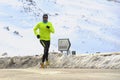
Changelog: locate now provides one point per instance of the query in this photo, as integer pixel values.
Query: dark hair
(45, 15)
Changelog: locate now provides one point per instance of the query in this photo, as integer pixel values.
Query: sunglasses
(45, 17)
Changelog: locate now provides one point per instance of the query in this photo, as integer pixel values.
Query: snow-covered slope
(18, 42)
(92, 26)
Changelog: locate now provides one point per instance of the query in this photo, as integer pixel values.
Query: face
(45, 18)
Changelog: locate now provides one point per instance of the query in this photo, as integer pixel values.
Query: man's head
(45, 18)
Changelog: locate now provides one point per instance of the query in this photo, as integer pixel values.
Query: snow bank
(111, 61)
(58, 60)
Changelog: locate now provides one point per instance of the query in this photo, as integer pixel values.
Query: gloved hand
(48, 27)
(38, 36)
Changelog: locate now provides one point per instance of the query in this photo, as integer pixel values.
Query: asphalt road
(59, 74)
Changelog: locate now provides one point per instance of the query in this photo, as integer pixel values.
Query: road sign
(64, 44)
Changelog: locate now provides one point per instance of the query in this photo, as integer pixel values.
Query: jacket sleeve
(35, 29)
(52, 29)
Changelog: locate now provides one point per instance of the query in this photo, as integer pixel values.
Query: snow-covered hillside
(92, 26)
(18, 42)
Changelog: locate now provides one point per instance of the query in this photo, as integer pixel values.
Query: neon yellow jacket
(40, 29)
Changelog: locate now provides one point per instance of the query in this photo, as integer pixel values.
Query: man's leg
(46, 52)
(47, 49)
(44, 45)
(43, 58)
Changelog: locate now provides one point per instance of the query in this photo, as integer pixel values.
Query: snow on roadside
(58, 60)
(105, 61)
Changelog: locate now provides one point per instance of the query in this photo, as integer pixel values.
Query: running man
(42, 31)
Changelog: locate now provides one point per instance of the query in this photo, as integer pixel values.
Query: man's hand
(48, 27)
(38, 36)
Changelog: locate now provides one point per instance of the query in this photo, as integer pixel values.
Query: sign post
(64, 45)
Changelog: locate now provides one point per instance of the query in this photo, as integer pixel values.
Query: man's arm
(52, 29)
(36, 32)
(36, 29)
